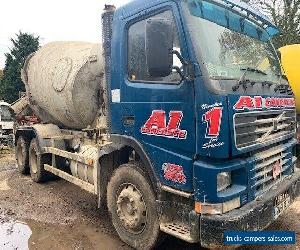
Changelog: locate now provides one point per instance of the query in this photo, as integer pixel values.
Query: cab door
(158, 112)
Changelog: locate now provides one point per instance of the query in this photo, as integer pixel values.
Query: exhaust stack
(107, 20)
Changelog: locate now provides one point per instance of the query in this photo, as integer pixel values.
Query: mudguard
(43, 133)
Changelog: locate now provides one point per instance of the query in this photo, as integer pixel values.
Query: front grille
(254, 128)
(281, 153)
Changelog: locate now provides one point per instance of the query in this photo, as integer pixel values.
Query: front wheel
(132, 204)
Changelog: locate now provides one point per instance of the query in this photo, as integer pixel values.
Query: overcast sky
(52, 20)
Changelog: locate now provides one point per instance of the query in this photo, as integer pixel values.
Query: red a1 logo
(157, 125)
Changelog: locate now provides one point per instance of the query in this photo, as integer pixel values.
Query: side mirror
(159, 46)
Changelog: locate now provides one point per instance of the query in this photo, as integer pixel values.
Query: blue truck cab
(198, 86)
(196, 131)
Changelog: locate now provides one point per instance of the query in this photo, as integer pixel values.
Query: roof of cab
(136, 6)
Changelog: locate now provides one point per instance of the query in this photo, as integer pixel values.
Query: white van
(6, 123)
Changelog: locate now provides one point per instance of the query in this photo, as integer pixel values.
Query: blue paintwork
(139, 99)
(206, 178)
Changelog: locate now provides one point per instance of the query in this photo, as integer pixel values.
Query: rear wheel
(22, 157)
(132, 204)
(36, 163)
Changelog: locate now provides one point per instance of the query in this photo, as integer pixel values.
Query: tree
(11, 84)
(286, 16)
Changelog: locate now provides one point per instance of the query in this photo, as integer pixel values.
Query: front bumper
(254, 216)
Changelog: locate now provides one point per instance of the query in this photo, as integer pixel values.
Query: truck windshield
(226, 52)
(5, 114)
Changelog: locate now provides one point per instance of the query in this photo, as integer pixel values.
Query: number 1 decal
(213, 120)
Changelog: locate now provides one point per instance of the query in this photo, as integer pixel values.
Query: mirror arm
(189, 73)
(178, 71)
(182, 60)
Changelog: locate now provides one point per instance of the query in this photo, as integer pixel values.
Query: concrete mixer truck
(169, 121)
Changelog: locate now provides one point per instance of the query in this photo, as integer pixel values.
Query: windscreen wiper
(283, 88)
(242, 81)
(249, 69)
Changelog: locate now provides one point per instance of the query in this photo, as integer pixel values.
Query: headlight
(223, 181)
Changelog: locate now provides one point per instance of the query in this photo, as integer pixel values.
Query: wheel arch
(118, 153)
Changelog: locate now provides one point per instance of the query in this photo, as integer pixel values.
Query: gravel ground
(59, 215)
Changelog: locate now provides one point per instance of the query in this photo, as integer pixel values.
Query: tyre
(36, 163)
(22, 157)
(132, 205)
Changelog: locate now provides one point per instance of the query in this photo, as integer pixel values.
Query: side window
(137, 70)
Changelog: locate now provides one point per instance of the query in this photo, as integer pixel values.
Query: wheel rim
(20, 155)
(33, 161)
(131, 208)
